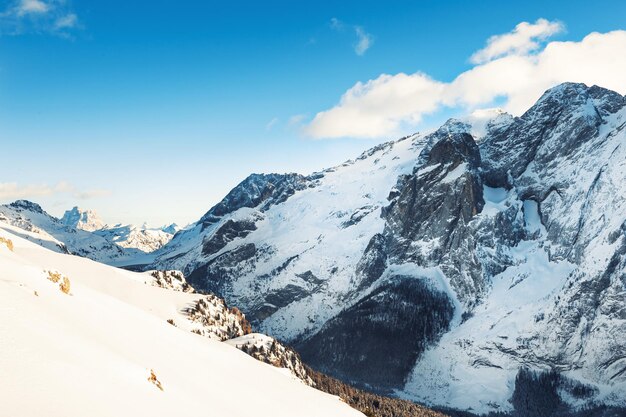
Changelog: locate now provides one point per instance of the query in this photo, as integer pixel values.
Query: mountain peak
(257, 190)
(27, 205)
(82, 219)
(171, 229)
(594, 101)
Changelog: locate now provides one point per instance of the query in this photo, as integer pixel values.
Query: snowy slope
(91, 351)
(441, 264)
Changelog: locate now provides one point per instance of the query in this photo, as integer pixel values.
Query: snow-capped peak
(171, 229)
(479, 122)
(82, 219)
(26, 205)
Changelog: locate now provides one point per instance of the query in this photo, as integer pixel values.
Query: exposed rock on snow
(172, 280)
(269, 350)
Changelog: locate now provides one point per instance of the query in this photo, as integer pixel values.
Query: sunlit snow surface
(90, 352)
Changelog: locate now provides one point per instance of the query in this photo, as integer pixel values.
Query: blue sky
(154, 110)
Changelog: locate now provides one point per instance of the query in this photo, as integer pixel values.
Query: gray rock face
(82, 219)
(230, 231)
(258, 190)
(440, 265)
(25, 205)
(437, 202)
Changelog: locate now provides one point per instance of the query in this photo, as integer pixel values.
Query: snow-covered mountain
(82, 219)
(142, 237)
(441, 264)
(139, 237)
(55, 234)
(82, 232)
(82, 338)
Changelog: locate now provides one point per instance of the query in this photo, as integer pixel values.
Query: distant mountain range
(82, 232)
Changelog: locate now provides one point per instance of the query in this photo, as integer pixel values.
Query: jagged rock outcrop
(437, 202)
(269, 350)
(172, 280)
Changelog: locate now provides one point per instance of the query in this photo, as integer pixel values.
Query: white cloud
(364, 41)
(522, 40)
(25, 7)
(38, 16)
(13, 191)
(392, 104)
(379, 106)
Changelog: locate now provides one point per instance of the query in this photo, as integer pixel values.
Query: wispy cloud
(68, 21)
(296, 120)
(25, 7)
(336, 24)
(364, 40)
(271, 123)
(15, 191)
(512, 67)
(39, 16)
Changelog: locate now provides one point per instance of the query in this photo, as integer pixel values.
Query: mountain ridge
(460, 214)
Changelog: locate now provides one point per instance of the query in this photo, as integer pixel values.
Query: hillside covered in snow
(84, 339)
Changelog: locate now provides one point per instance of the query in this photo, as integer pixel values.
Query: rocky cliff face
(440, 264)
